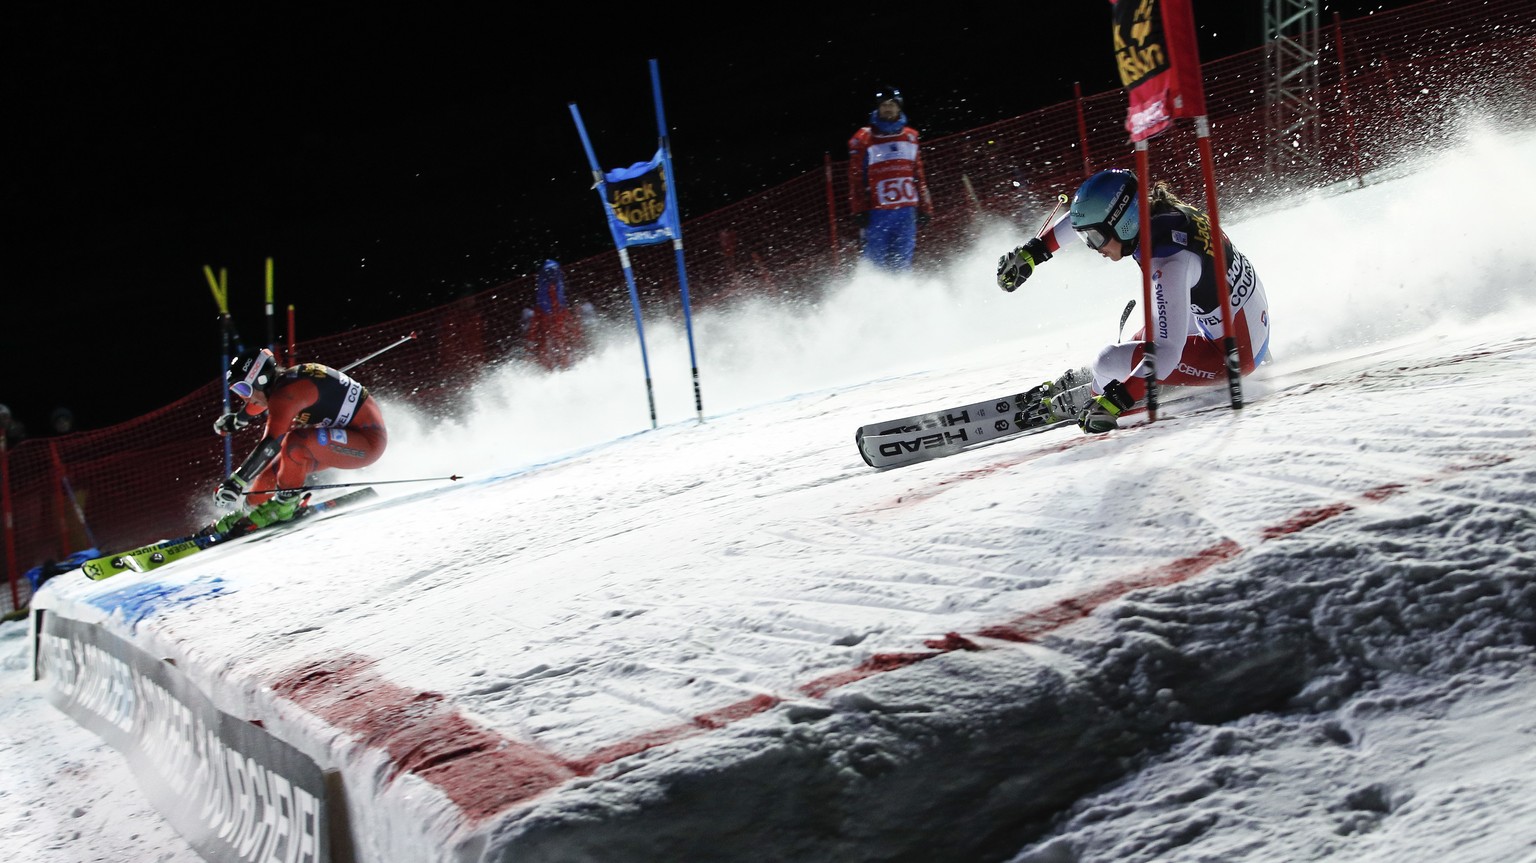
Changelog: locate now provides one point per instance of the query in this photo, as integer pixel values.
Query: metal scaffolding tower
(1291, 100)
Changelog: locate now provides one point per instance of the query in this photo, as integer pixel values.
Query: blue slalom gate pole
(619, 243)
(677, 238)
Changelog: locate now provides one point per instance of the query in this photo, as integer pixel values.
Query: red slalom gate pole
(1219, 254)
(1144, 212)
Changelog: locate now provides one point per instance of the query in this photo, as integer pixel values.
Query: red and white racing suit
(1186, 316)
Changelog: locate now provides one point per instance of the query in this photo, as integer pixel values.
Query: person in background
(61, 421)
(1187, 314)
(12, 431)
(887, 187)
(316, 417)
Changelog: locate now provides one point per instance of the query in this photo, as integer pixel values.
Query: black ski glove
(231, 422)
(1014, 268)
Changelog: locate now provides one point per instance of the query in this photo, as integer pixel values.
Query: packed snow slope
(1302, 630)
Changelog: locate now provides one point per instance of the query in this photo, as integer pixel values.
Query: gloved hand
(230, 492)
(861, 218)
(923, 219)
(231, 422)
(1014, 268)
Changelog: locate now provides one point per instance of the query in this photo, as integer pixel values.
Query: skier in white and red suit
(887, 189)
(1186, 317)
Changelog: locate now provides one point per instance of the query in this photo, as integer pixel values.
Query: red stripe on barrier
(880, 663)
(480, 770)
(1306, 519)
(1034, 625)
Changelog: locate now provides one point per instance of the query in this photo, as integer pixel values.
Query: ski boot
(282, 507)
(278, 509)
(1053, 401)
(225, 525)
(1101, 413)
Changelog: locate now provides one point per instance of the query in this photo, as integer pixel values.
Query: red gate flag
(1159, 64)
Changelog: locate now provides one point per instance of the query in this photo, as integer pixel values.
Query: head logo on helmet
(1104, 208)
(251, 372)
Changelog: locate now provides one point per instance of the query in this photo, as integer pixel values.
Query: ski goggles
(1096, 236)
(246, 387)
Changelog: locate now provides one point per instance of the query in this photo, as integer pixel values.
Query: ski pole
(1124, 316)
(351, 484)
(355, 363)
(1061, 198)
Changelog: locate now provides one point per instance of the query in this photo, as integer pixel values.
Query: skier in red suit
(887, 188)
(317, 418)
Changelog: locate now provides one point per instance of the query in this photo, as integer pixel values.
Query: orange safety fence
(1390, 85)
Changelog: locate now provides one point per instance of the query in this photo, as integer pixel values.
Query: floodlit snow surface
(1300, 631)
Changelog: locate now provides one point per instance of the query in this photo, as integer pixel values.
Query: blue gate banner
(637, 203)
